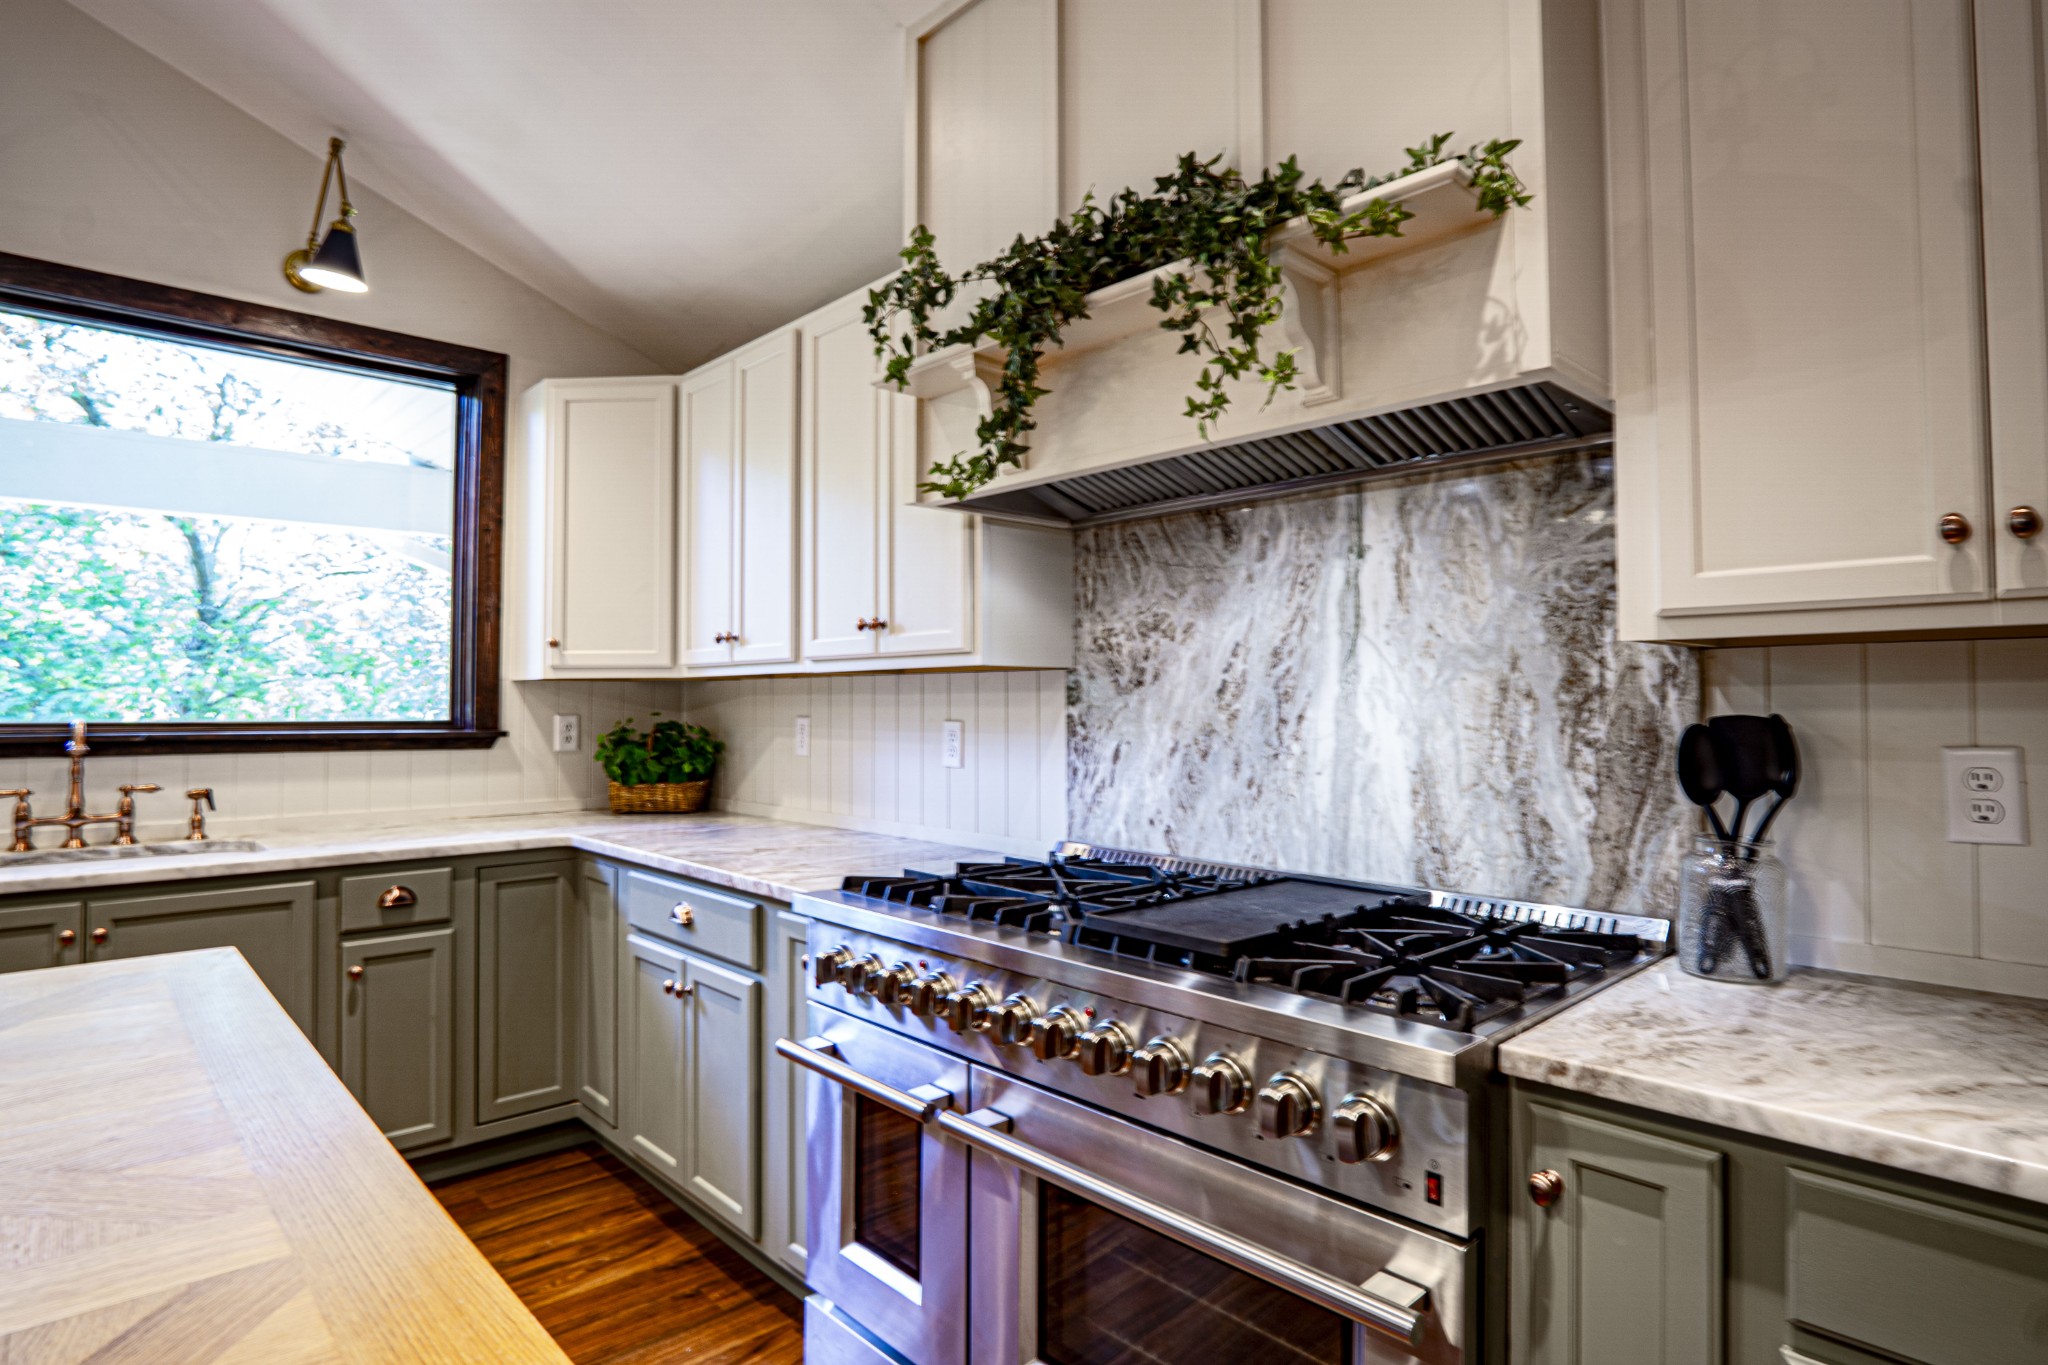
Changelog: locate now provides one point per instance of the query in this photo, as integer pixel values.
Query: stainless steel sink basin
(102, 852)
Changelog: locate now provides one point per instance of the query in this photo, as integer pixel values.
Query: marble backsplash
(1414, 680)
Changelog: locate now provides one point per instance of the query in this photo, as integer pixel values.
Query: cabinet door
(398, 1032)
(47, 935)
(596, 993)
(722, 1136)
(842, 440)
(1816, 296)
(612, 554)
(651, 1102)
(526, 924)
(711, 479)
(272, 926)
(928, 604)
(765, 402)
(783, 1141)
(1626, 1265)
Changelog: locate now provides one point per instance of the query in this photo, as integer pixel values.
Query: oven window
(1114, 1293)
(888, 1170)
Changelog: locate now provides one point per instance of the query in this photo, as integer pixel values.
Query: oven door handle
(821, 1054)
(1399, 1318)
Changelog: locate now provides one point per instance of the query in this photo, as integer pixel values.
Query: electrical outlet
(1986, 794)
(568, 734)
(953, 744)
(803, 736)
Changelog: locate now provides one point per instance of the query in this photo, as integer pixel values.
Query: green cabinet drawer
(716, 923)
(1912, 1278)
(397, 899)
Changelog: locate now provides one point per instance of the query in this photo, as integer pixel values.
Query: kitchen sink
(101, 852)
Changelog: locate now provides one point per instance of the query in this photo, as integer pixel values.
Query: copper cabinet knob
(668, 987)
(1955, 528)
(2024, 522)
(66, 937)
(99, 936)
(554, 643)
(1546, 1188)
(397, 898)
(685, 914)
(355, 971)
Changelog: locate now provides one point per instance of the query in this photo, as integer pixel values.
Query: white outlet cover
(803, 736)
(568, 734)
(1985, 792)
(953, 744)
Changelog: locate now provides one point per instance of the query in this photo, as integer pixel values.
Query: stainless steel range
(1116, 1108)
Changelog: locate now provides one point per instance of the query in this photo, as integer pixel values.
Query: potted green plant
(666, 768)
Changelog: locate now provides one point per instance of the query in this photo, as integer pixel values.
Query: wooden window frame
(67, 292)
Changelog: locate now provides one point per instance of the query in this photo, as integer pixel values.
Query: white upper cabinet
(599, 556)
(845, 420)
(1815, 406)
(710, 484)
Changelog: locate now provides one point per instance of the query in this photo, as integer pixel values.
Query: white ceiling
(684, 174)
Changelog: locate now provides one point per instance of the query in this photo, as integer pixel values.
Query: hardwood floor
(616, 1272)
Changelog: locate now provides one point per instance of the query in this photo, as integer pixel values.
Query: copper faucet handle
(18, 793)
(133, 787)
(198, 794)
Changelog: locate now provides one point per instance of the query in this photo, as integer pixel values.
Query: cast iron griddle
(1229, 924)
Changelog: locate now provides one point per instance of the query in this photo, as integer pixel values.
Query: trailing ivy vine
(1217, 219)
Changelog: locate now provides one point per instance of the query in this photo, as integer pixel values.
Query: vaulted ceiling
(684, 174)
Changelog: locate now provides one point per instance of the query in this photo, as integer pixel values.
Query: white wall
(113, 161)
(875, 751)
(1875, 886)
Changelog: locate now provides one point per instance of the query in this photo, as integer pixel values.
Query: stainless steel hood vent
(1482, 428)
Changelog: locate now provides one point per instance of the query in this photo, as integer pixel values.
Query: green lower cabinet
(397, 996)
(51, 934)
(782, 1134)
(526, 931)
(1625, 1267)
(651, 1055)
(596, 972)
(271, 925)
(722, 1137)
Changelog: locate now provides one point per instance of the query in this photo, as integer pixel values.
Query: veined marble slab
(1947, 1083)
(1413, 681)
(761, 857)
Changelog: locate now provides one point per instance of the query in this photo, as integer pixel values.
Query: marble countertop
(1946, 1083)
(760, 857)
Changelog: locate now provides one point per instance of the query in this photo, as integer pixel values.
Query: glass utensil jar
(1731, 912)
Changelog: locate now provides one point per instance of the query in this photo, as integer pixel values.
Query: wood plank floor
(616, 1272)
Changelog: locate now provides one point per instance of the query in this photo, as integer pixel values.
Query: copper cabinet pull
(1955, 528)
(684, 914)
(66, 937)
(1546, 1188)
(397, 898)
(2024, 522)
(99, 936)
(355, 971)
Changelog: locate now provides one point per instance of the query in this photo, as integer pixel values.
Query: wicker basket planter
(660, 798)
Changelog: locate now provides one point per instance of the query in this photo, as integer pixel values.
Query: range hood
(1468, 339)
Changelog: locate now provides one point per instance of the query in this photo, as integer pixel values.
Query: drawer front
(1915, 1279)
(716, 923)
(422, 895)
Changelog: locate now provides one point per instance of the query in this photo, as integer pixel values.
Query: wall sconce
(334, 263)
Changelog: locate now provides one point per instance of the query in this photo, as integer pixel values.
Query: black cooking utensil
(1785, 777)
(1699, 773)
(1746, 752)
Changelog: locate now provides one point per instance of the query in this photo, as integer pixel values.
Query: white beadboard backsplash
(875, 752)
(1875, 886)
(521, 774)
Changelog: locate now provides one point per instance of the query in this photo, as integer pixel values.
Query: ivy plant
(670, 751)
(1215, 218)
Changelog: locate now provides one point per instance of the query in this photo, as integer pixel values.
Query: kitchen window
(225, 526)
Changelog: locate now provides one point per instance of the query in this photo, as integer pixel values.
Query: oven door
(1099, 1242)
(888, 1193)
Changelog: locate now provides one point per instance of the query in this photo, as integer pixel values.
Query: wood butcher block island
(183, 1179)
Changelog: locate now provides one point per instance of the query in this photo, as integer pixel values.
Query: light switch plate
(953, 744)
(568, 734)
(1985, 791)
(803, 736)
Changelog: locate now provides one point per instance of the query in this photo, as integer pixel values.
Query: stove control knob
(891, 985)
(1011, 1020)
(1221, 1086)
(1104, 1050)
(826, 966)
(1053, 1035)
(928, 995)
(1159, 1068)
(967, 1008)
(1366, 1130)
(856, 974)
(1288, 1107)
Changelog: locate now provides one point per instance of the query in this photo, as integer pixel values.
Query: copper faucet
(74, 817)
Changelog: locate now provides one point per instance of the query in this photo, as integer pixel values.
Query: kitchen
(820, 818)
